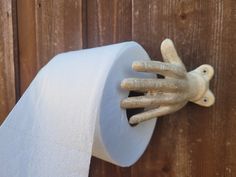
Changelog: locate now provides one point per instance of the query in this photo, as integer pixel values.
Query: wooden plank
(7, 74)
(108, 22)
(195, 141)
(46, 28)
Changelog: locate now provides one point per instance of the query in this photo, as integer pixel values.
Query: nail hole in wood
(39, 5)
(166, 169)
(183, 16)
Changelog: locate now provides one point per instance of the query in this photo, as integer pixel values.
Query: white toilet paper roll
(72, 110)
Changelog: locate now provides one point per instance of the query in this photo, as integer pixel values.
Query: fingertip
(169, 53)
(133, 120)
(123, 104)
(126, 103)
(137, 65)
(128, 84)
(124, 83)
(166, 44)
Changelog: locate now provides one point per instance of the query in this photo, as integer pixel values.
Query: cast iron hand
(167, 95)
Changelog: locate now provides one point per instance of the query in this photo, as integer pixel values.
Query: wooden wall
(194, 142)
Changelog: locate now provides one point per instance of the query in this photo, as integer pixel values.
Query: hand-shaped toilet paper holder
(166, 95)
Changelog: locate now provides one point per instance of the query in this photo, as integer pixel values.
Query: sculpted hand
(169, 94)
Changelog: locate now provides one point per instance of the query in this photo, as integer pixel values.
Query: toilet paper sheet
(71, 111)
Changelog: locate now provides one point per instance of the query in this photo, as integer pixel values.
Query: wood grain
(7, 69)
(195, 141)
(108, 22)
(46, 28)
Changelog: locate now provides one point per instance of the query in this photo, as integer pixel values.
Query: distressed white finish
(167, 95)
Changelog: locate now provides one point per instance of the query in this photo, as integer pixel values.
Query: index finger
(165, 69)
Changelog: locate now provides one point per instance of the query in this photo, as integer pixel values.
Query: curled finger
(160, 85)
(154, 113)
(153, 101)
(165, 69)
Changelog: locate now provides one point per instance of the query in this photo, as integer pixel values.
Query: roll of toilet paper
(71, 111)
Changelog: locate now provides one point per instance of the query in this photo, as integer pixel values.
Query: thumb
(169, 53)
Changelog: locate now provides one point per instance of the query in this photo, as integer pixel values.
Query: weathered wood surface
(46, 28)
(7, 69)
(108, 22)
(193, 142)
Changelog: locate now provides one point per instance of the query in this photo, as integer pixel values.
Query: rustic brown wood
(7, 74)
(46, 28)
(195, 141)
(108, 22)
